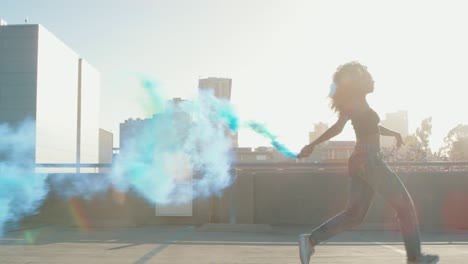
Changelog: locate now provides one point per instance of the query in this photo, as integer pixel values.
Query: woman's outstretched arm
(334, 130)
(387, 132)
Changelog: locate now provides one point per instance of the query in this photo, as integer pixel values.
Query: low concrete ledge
(376, 227)
(113, 223)
(251, 228)
(10, 228)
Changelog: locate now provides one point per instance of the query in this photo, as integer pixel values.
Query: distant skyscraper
(131, 128)
(319, 129)
(43, 79)
(222, 89)
(106, 143)
(329, 151)
(220, 86)
(397, 121)
(170, 130)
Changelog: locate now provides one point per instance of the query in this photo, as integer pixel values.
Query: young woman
(369, 173)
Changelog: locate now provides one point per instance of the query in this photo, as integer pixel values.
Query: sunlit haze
(280, 55)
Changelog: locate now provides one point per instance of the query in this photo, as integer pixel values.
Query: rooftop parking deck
(194, 244)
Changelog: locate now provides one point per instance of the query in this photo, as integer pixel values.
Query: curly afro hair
(351, 79)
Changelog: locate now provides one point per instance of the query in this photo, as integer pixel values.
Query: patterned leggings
(369, 175)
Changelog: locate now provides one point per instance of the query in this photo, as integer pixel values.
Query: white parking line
(395, 249)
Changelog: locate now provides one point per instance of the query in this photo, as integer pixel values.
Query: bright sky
(280, 54)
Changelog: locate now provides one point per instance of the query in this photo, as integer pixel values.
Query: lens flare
(78, 214)
(30, 236)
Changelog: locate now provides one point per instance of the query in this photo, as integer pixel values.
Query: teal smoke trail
(227, 112)
(156, 100)
(262, 130)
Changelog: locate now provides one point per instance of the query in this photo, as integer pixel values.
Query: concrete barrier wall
(273, 197)
(289, 197)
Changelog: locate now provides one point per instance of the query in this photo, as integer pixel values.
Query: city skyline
(213, 131)
(280, 56)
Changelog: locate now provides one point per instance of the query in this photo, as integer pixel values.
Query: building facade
(397, 121)
(131, 128)
(44, 80)
(336, 151)
(258, 155)
(319, 129)
(106, 140)
(221, 88)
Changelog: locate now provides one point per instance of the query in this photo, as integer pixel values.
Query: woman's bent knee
(355, 217)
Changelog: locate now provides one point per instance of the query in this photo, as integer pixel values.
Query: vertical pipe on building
(232, 199)
(78, 120)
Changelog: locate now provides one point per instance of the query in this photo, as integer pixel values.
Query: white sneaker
(425, 259)
(305, 248)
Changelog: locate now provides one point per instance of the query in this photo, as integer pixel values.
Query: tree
(456, 144)
(416, 146)
(422, 134)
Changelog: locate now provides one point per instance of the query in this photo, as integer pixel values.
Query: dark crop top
(365, 123)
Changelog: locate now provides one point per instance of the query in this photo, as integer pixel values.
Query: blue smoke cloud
(21, 189)
(187, 138)
(182, 153)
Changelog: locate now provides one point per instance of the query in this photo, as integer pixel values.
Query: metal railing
(398, 166)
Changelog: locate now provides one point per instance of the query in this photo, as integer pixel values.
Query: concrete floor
(188, 244)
